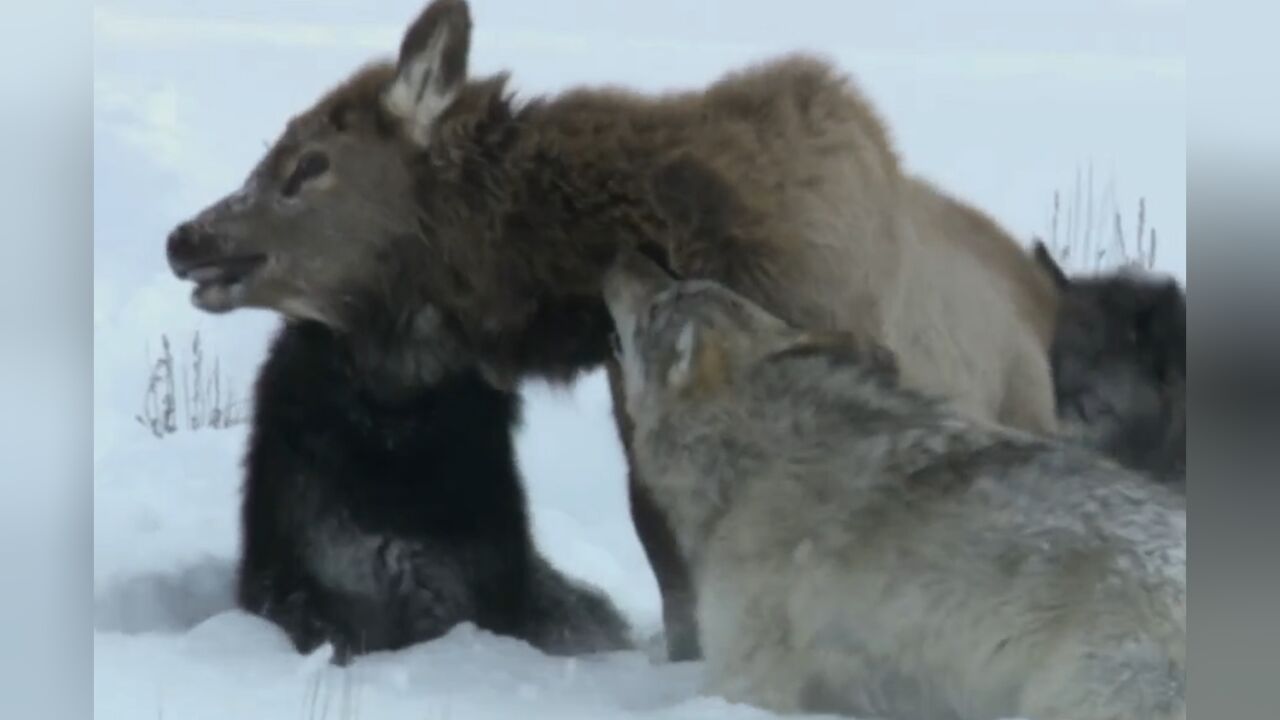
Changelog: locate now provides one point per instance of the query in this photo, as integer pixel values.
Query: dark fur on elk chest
(375, 517)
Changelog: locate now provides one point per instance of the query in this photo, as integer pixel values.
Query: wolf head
(1119, 359)
(684, 341)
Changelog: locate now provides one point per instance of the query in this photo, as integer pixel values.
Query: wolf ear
(680, 370)
(432, 67)
(699, 364)
(1045, 259)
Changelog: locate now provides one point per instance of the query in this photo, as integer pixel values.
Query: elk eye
(311, 165)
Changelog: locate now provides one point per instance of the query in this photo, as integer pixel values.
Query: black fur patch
(1119, 368)
(418, 491)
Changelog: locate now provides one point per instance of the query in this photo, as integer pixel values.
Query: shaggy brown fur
(411, 185)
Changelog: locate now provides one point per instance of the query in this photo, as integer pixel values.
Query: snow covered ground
(168, 641)
(1000, 105)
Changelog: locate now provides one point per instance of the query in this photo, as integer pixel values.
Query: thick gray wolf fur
(859, 548)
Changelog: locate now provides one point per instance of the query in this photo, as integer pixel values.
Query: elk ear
(432, 67)
(1045, 259)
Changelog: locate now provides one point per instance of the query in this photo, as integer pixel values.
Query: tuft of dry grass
(207, 398)
(1087, 234)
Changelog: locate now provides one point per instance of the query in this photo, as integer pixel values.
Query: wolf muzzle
(630, 285)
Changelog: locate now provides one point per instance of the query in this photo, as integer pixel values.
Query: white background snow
(999, 101)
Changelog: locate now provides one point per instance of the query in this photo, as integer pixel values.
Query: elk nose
(187, 243)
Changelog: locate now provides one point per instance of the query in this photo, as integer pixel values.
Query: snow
(169, 641)
(184, 99)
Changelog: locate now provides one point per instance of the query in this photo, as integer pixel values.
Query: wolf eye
(615, 344)
(311, 165)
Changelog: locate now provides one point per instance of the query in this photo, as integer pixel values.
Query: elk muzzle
(201, 255)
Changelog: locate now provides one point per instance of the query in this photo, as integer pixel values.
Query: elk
(413, 187)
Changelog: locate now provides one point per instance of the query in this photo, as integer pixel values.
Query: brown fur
(1035, 296)
(779, 180)
(1001, 359)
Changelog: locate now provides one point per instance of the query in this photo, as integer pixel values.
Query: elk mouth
(220, 283)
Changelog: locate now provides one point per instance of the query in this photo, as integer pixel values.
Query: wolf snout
(618, 293)
(632, 281)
